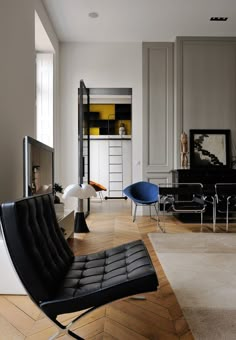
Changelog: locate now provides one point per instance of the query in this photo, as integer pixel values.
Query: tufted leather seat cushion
(95, 279)
(60, 282)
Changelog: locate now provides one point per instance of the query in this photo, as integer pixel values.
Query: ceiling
(139, 20)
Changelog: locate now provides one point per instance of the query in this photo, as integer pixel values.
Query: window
(44, 98)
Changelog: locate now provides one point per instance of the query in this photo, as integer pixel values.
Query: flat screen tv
(38, 167)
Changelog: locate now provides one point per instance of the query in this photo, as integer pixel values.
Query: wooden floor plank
(40, 326)
(152, 307)
(26, 305)
(112, 327)
(21, 321)
(8, 331)
(137, 319)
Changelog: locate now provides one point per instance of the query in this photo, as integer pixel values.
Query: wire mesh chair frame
(144, 194)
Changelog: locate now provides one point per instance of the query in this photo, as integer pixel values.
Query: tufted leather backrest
(37, 247)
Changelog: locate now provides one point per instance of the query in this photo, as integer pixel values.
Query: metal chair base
(156, 207)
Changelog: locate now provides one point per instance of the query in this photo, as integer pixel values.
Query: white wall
(17, 91)
(99, 65)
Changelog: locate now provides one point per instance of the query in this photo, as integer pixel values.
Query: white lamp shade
(80, 191)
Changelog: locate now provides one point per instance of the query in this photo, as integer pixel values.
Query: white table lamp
(80, 191)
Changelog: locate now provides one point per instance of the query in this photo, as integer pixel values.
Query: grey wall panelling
(205, 85)
(158, 117)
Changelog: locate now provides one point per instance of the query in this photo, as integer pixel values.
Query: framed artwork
(209, 148)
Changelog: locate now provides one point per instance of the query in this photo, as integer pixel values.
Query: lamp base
(80, 223)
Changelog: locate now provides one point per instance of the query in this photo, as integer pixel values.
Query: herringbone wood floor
(157, 317)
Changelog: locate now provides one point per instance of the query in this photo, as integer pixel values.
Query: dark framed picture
(209, 148)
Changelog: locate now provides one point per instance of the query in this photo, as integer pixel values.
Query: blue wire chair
(144, 194)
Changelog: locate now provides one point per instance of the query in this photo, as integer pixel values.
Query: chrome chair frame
(155, 205)
(225, 194)
(168, 191)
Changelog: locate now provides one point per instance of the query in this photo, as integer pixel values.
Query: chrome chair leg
(157, 211)
(157, 214)
(135, 210)
(164, 215)
(201, 221)
(227, 218)
(158, 219)
(65, 329)
(214, 221)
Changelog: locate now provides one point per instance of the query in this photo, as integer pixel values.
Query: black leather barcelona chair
(59, 282)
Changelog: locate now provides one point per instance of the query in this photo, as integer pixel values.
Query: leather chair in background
(187, 198)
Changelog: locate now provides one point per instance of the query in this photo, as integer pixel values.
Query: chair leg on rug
(214, 217)
(201, 221)
(227, 218)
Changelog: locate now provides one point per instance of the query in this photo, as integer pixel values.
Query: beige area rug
(201, 268)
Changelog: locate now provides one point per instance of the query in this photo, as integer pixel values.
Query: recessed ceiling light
(93, 15)
(218, 18)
